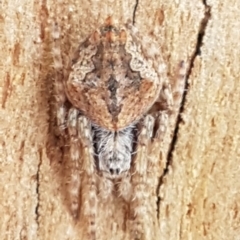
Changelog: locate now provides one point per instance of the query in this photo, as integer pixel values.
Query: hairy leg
(167, 113)
(74, 164)
(67, 119)
(61, 110)
(148, 164)
(139, 206)
(89, 178)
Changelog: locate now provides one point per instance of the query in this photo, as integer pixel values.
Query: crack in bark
(37, 188)
(197, 52)
(134, 11)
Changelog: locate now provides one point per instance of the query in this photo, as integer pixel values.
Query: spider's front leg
(88, 188)
(60, 75)
(139, 204)
(66, 120)
(81, 148)
(147, 163)
(170, 100)
(74, 155)
(79, 136)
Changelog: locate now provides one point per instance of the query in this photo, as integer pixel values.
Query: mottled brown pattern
(112, 126)
(103, 74)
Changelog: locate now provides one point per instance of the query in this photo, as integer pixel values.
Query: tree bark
(198, 187)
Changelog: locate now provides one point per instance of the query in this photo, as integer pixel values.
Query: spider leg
(80, 141)
(59, 81)
(89, 178)
(74, 154)
(67, 119)
(166, 111)
(178, 88)
(139, 226)
(147, 163)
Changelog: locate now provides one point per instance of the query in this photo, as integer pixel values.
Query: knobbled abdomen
(111, 82)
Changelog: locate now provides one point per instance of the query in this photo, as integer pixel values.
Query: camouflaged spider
(118, 92)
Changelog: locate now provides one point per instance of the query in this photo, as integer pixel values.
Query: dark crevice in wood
(37, 188)
(134, 11)
(197, 52)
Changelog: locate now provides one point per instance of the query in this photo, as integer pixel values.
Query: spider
(114, 104)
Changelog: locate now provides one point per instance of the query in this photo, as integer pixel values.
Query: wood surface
(199, 187)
